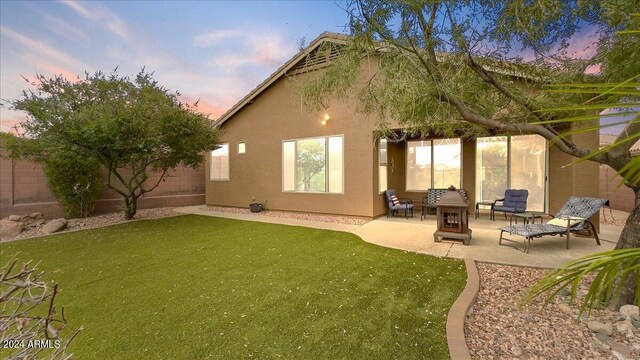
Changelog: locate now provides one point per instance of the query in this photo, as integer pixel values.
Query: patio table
(482, 203)
(528, 217)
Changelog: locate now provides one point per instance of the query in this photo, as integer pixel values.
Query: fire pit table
(452, 212)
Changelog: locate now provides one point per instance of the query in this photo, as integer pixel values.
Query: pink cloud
(205, 107)
(593, 69)
(54, 70)
(583, 44)
(12, 125)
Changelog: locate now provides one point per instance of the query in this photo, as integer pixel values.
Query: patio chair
(394, 204)
(514, 201)
(573, 216)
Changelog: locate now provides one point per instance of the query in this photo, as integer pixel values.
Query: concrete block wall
(24, 189)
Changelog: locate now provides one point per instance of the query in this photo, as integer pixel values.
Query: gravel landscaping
(98, 221)
(336, 219)
(501, 327)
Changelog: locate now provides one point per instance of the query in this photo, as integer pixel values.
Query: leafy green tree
(129, 126)
(454, 65)
(310, 161)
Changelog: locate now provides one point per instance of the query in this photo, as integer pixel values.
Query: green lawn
(193, 287)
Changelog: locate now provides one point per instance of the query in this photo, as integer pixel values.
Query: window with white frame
(220, 163)
(242, 148)
(382, 165)
(313, 165)
(433, 164)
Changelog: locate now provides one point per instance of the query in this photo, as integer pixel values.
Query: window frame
(326, 165)
(432, 158)
(244, 144)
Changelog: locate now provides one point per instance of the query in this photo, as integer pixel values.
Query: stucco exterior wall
(275, 115)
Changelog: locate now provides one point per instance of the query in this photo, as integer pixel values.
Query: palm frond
(611, 267)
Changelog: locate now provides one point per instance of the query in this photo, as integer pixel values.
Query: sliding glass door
(433, 164)
(515, 162)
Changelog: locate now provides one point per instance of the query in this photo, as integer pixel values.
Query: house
(276, 151)
(620, 196)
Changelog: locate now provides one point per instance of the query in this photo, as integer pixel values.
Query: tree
(129, 126)
(28, 315)
(446, 66)
(310, 161)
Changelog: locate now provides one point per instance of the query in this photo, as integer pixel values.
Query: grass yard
(192, 287)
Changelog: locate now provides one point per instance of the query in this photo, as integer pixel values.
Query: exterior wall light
(325, 120)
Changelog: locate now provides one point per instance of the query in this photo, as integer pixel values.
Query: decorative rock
(618, 356)
(15, 217)
(601, 345)
(54, 225)
(620, 348)
(32, 220)
(624, 326)
(630, 311)
(604, 338)
(564, 308)
(598, 327)
(9, 229)
(636, 323)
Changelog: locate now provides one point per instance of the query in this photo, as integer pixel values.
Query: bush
(74, 179)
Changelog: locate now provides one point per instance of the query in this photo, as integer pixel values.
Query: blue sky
(215, 51)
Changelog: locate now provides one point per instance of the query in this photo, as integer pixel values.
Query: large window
(313, 165)
(382, 165)
(433, 164)
(515, 162)
(220, 163)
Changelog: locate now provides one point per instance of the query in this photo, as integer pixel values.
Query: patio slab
(417, 236)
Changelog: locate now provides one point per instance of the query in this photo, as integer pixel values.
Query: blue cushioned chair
(405, 205)
(514, 201)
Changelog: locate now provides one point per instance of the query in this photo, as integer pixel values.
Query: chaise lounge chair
(394, 204)
(573, 216)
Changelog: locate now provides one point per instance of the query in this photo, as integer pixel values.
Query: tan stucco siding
(276, 115)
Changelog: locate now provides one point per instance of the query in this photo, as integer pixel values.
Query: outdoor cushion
(394, 200)
(573, 220)
(515, 199)
(504, 208)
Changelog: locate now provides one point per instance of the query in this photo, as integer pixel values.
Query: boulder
(32, 220)
(54, 225)
(9, 229)
(15, 217)
(631, 312)
(598, 327)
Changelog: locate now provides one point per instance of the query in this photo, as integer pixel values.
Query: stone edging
(455, 319)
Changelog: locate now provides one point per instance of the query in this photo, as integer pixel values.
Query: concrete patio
(417, 236)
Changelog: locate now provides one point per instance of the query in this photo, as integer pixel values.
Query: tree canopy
(131, 126)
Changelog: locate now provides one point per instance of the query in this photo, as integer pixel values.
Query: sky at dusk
(214, 51)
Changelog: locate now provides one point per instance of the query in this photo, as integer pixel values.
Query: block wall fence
(24, 189)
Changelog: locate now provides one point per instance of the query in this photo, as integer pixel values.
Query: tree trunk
(130, 207)
(630, 238)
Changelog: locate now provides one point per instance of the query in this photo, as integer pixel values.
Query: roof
(606, 139)
(294, 64)
(324, 37)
